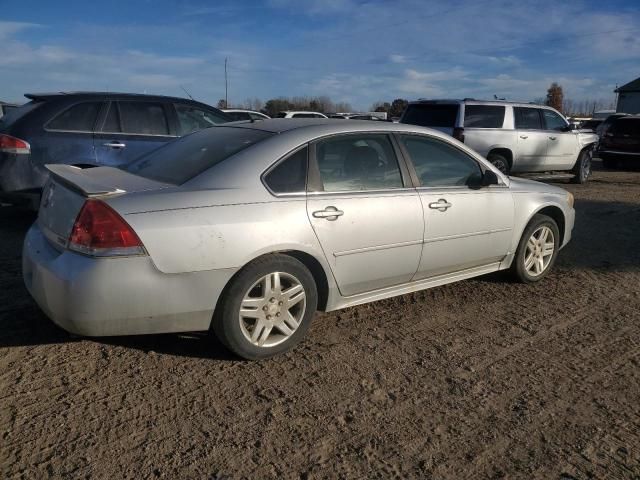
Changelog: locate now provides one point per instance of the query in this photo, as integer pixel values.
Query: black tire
(518, 269)
(582, 169)
(226, 323)
(500, 162)
(609, 163)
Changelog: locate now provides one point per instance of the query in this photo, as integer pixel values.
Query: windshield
(189, 156)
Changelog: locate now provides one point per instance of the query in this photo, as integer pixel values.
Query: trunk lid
(68, 187)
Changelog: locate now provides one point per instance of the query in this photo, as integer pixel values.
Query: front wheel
(267, 308)
(537, 250)
(582, 168)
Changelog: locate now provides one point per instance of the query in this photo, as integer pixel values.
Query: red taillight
(458, 134)
(9, 144)
(100, 231)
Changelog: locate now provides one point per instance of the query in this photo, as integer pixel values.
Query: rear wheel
(500, 162)
(537, 250)
(267, 308)
(582, 168)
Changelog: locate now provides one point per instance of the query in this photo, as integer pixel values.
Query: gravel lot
(483, 378)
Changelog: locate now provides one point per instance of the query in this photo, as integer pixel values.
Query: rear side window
(187, 157)
(438, 164)
(626, 126)
(290, 175)
(358, 162)
(192, 119)
(78, 118)
(305, 115)
(112, 122)
(281, 115)
(483, 116)
(527, 118)
(237, 116)
(143, 118)
(432, 114)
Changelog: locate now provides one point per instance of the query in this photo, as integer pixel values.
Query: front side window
(358, 162)
(553, 121)
(192, 119)
(527, 118)
(187, 157)
(290, 175)
(483, 116)
(439, 164)
(78, 118)
(143, 118)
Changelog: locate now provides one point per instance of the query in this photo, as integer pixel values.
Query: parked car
(356, 116)
(237, 114)
(590, 125)
(604, 126)
(515, 137)
(621, 142)
(299, 114)
(248, 229)
(89, 129)
(6, 107)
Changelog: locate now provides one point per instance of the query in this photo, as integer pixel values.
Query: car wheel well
(317, 271)
(505, 152)
(556, 214)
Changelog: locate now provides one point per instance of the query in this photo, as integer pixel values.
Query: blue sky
(358, 51)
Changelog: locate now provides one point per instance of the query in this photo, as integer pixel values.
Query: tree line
(572, 108)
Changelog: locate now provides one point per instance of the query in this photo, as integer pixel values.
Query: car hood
(518, 184)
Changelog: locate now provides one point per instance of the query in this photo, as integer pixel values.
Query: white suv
(515, 137)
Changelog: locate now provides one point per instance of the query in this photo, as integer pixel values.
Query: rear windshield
(432, 114)
(189, 156)
(626, 126)
(16, 113)
(483, 116)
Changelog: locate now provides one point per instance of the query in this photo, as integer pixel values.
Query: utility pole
(226, 85)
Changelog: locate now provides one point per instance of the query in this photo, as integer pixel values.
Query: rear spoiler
(77, 179)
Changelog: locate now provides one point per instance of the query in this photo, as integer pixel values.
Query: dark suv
(88, 129)
(621, 141)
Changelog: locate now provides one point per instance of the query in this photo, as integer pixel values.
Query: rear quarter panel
(483, 140)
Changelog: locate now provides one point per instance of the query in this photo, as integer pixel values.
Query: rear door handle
(330, 213)
(524, 137)
(115, 144)
(441, 205)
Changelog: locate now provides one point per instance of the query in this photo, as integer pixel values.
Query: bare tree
(555, 96)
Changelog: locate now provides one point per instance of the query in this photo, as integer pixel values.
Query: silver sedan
(247, 229)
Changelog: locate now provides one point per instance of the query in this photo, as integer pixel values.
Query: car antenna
(185, 91)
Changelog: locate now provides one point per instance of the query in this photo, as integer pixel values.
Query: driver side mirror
(489, 178)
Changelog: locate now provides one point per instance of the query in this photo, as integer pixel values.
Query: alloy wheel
(539, 252)
(272, 309)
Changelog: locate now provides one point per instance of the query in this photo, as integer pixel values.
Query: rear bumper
(569, 222)
(116, 296)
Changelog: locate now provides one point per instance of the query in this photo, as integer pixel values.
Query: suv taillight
(99, 231)
(9, 144)
(458, 134)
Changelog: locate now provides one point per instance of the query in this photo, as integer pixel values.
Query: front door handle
(552, 138)
(524, 137)
(115, 144)
(440, 205)
(330, 213)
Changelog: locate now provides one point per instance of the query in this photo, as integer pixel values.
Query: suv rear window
(78, 118)
(626, 126)
(483, 116)
(13, 115)
(432, 114)
(189, 156)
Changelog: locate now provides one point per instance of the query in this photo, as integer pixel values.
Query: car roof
(473, 101)
(329, 126)
(240, 110)
(52, 95)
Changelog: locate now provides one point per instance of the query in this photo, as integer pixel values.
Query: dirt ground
(480, 379)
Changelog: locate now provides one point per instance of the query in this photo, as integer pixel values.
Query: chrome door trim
(377, 247)
(464, 235)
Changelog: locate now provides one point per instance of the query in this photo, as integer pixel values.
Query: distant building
(629, 97)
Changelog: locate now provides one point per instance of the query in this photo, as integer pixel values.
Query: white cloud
(395, 58)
